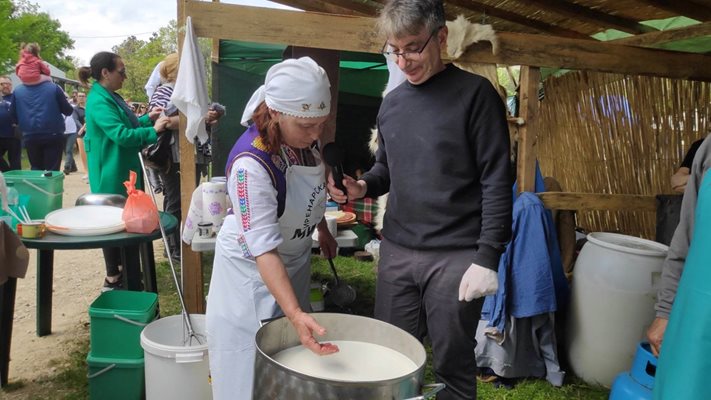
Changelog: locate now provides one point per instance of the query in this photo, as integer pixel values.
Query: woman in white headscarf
(276, 181)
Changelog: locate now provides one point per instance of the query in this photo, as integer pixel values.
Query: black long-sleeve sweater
(444, 159)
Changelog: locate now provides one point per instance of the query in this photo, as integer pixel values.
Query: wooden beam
(229, 21)
(547, 51)
(592, 16)
(360, 7)
(686, 8)
(671, 35)
(527, 134)
(518, 19)
(192, 284)
(597, 201)
(316, 6)
(305, 29)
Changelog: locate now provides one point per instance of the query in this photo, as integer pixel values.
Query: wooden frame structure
(355, 32)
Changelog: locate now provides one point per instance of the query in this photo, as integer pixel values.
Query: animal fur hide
(462, 34)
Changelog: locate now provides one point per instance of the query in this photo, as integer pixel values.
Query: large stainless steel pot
(275, 381)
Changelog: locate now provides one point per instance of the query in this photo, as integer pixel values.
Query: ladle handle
(333, 268)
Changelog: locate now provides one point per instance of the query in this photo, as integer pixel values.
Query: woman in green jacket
(114, 136)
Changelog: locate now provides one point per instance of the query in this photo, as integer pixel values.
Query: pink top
(30, 68)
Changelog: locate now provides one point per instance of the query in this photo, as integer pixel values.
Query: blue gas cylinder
(638, 382)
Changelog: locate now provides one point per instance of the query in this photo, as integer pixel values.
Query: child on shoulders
(30, 68)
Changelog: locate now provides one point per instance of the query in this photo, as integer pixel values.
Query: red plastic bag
(140, 213)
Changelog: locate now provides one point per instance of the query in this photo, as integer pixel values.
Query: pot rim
(419, 371)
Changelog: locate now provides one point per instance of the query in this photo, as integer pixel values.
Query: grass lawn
(70, 382)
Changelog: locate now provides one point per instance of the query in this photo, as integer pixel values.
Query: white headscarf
(296, 87)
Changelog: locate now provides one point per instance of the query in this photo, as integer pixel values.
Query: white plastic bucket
(176, 368)
(614, 289)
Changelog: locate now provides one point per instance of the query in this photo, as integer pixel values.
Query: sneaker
(85, 178)
(118, 285)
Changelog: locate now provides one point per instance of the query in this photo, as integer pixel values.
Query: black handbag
(159, 154)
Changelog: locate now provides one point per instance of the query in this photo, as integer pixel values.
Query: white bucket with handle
(177, 367)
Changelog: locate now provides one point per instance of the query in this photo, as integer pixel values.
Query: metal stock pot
(275, 381)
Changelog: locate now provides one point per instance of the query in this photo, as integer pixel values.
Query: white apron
(238, 299)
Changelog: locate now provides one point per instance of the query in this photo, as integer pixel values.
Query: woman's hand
(305, 326)
(328, 244)
(273, 272)
(155, 113)
(356, 189)
(161, 124)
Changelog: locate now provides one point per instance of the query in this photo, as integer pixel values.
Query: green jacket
(112, 144)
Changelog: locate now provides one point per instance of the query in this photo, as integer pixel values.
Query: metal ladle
(342, 294)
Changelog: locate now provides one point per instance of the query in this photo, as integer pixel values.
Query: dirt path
(78, 277)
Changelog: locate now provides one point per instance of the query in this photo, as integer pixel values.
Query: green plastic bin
(115, 379)
(117, 318)
(44, 188)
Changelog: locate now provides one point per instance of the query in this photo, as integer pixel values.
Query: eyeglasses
(122, 72)
(408, 54)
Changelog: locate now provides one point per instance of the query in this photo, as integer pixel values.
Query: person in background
(673, 266)
(680, 333)
(153, 81)
(71, 128)
(167, 179)
(113, 139)
(80, 109)
(445, 165)
(39, 111)
(681, 176)
(30, 68)
(10, 144)
(262, 267)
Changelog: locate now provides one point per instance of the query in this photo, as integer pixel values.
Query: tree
(141, 57)
(22, 22)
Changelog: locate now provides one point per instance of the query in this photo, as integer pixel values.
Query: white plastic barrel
(176, 367)
(614, 289)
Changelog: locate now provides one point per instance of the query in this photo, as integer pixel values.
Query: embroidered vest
(251, 145)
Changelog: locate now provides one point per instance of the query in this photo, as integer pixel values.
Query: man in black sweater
(443, 159)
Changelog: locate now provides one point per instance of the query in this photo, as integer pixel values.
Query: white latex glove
(477, 282)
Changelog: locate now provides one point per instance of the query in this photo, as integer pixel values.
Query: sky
(98, 25)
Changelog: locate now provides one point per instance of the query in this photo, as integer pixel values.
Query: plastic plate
(85, 220)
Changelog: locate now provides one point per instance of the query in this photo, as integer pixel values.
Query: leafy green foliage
(141, 56)
(23, 22)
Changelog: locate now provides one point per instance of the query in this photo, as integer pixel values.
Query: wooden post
(215, 54)
(528, 110)
(192, 263)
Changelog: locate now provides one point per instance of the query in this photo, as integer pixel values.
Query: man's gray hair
(407, 17)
